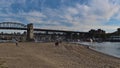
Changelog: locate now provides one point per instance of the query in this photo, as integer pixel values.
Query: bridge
(36, 32)
(13, 25)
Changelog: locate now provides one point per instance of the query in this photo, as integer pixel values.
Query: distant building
(97, 35)
(99, 31)
(115, 36)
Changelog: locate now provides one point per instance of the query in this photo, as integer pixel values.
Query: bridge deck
(36, 29)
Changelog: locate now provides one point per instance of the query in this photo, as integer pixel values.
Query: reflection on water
(110, 48)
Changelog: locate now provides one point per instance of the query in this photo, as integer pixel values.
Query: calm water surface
(110, 48)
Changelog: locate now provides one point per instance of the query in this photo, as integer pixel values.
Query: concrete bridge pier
(30, 32)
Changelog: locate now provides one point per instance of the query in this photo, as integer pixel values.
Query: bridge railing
(12, 25)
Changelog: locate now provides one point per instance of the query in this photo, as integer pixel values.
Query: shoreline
(104, 53)
(88, 47)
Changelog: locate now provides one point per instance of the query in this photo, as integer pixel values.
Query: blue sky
(77, 15)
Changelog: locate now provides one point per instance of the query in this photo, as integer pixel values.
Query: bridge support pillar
(30, 34)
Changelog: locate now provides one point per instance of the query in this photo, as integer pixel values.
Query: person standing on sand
(15, 41)
(56, 43)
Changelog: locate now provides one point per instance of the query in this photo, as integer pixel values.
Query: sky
(73, 15)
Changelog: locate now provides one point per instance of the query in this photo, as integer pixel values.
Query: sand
(46, 55)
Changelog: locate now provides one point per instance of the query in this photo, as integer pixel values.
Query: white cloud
(35, 14)
(81, 17)
(96, 14)
(9, 20)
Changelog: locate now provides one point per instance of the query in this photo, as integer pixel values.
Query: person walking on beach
(15, 41)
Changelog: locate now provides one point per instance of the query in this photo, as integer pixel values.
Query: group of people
(56, 43)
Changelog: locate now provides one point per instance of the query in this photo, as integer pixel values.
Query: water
(5, 41)
(110, 48)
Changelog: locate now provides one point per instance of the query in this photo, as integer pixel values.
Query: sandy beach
(46, 55)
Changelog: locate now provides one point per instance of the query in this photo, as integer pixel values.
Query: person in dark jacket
(56, 43)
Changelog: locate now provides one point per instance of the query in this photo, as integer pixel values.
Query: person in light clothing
(15, 41)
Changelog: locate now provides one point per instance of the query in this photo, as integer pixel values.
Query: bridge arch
(12, 25)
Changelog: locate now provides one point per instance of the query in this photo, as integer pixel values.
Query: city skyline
(73, 15)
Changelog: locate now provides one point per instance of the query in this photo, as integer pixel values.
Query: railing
(12, 25)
